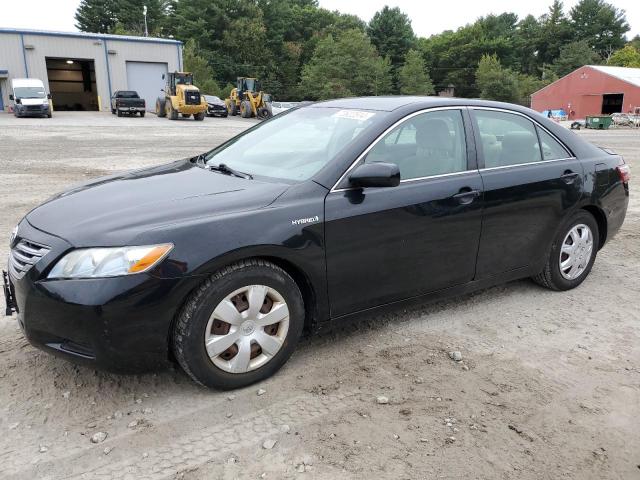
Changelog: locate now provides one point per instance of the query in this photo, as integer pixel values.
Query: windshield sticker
(359, 115)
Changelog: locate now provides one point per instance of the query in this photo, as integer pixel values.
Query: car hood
(34, 101)
(114, 210)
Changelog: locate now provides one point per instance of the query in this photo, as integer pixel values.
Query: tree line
(302, 51)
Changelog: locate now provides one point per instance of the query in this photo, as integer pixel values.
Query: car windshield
(127, 95)
(293, 146)
(29, 92)
(212, 98)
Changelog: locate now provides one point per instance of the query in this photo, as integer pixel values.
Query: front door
(389, 244)
(530, 183)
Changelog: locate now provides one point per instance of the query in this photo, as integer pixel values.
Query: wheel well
(301, 279)
(601, 219)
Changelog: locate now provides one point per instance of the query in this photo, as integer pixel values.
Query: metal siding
(583, 90)
(10, 60)
(146, 79)
(81, 47)
(137, 52)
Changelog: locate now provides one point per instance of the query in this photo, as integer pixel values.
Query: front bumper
(30, 110)
(217, 111)
(131, 109)
(120, 324)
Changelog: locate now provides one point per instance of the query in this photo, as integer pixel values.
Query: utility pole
(144, 12)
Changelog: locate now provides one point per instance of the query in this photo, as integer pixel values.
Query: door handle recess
(569, 176)
(466, 197)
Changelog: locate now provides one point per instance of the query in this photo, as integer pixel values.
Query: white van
(29, 98)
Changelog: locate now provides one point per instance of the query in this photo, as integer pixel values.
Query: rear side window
(507, 139)
(425, 145)
(551, 148)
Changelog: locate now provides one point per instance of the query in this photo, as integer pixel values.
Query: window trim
(380, 137)
(536, 125)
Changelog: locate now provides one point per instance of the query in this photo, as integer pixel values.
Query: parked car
(127, 102)
(215, 106)
(29, 97)
(321, 214)
(279, 107)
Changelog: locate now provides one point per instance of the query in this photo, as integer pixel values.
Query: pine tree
(413, 78)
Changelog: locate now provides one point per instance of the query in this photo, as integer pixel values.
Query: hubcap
(247, 329)
(576, 251)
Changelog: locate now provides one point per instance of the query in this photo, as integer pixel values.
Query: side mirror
(375, 175)
(163, 76)
(162, 89)
(10, 97)
(49, 96)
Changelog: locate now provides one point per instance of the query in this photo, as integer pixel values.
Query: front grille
(24, 256)
(192, 98)
(34, 108)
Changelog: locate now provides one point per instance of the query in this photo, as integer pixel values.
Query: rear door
(531, 182)
(389, 244)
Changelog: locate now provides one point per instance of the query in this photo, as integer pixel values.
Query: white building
(82, 70)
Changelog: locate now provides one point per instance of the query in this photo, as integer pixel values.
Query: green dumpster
(602, 122)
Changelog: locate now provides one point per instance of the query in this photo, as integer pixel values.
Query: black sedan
(215, 106)
(220, 261)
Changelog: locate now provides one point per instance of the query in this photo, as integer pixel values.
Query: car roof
(391, 103)
(27, 82)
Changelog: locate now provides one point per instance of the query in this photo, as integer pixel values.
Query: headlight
(109, 262)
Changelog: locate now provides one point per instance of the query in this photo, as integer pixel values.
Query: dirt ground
(548, 386)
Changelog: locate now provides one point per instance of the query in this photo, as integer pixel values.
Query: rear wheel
(572, 254)
(240, 326)
(199, 116)
(233, 109)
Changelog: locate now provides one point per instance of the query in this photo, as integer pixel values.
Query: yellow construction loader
(181, 98)
(248, 100)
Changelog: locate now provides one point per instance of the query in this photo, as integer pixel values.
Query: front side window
(294, 145)
(507, 139)
(425, 145)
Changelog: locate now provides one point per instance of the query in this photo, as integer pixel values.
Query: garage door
(146, 79)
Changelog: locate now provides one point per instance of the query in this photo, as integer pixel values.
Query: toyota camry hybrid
(220, 261)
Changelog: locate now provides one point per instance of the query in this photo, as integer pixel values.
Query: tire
(233, 111)
(113, 111)
(49, 115)
(142, 114)
(245, 109)
(263, 113)
(171, 113)
(160, 107)
(199, 116)
(553, 276)
(119, 113)
(195, 321)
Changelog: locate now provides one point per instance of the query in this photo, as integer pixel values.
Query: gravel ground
(548, 385)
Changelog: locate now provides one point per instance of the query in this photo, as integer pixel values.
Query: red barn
(591, 90)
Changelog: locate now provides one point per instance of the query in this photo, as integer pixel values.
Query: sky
(427, 17)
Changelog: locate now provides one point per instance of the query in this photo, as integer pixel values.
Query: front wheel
(198, 116)
(240, 326)
(572, 253)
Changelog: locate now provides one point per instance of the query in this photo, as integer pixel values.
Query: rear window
(127, 95)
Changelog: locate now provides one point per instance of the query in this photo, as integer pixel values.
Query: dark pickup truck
(129, 102)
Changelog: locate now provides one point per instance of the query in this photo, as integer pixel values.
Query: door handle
(568, 176)
(466, 196)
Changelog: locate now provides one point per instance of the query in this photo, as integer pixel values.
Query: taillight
(624, 172)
